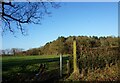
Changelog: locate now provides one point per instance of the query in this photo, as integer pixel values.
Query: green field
(16, 58)
(8, 61)
(27, 66)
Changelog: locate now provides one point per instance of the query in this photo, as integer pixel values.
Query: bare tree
(16, 51)
(3, 52)
(15, 14)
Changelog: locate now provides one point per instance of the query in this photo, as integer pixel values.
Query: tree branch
(16, 19)
(19, 13)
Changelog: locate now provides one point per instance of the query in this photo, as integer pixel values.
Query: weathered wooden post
(68, 67)
(60, 65)
(75, 75)
(76, 69)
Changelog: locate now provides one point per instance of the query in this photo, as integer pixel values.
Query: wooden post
(68, 67)
(74, 57)
(60, 65)
(75, 75)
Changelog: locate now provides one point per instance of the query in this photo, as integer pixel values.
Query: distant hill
(63, 45)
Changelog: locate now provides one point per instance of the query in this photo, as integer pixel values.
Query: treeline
(12, 51)
(64, 45)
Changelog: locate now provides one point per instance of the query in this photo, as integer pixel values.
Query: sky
(71, 19)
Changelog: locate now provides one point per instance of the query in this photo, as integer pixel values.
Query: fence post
(68, 67)
(75, 67)
(60, 65)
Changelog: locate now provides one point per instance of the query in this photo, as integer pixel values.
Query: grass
(107, 74)
(16, 58)
(25, 67)
(9, 61)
